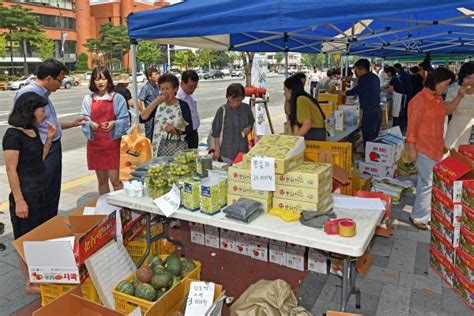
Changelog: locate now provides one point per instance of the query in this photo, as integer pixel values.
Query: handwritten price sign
(263, 173)
(169, 203)
(200, 298)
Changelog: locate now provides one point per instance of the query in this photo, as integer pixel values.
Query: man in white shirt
(314, 79)
(189, 82)
(383, 77)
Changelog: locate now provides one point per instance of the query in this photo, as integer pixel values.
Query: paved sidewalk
(399, 282)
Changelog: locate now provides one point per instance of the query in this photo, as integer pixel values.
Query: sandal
(418, 224)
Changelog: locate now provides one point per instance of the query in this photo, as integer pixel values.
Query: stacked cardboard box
(306, 187)
(452, 230)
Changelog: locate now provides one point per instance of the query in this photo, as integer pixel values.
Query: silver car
(20, 83)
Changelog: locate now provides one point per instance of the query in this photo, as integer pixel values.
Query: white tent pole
(169, 57)
(347, 64)
(342, 65)
(133, 56)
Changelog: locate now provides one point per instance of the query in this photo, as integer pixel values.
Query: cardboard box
(72, 303)
(443, 245)
(464, 289)
(339, 121)
(385, 150)
(468, 193)
(296, 206)
(259, 250)
(237, 173)
(56, 260)
(452, 212)
(448, 175)
(227, 240)
(287, 151)
(303, 194)
(439, 223)
(468, 218)
(376, 170)
(266, 203)
(277, 254)
(466, 241)
(245, 189)
(441, 266)
(464, 263)
(197, 233)
(242, 244)
(277, 242)
(191, 194)
(295, 257)
(211, 236)
(317, 262)
(307, 175)
(467, 151)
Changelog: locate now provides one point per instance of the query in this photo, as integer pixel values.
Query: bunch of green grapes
(179, 169)
(157, 170)
(186, 157)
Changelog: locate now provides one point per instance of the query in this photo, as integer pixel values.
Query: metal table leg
(349, 276)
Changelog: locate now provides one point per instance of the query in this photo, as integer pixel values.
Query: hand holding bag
(169, 146)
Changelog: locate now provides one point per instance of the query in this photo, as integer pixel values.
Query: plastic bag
(135, 149)
(244, 209)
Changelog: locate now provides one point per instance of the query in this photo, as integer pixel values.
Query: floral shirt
(167, 114)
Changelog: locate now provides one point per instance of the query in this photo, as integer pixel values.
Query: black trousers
(53, 165)
(312, 88)
(192, 139)
(370, 125)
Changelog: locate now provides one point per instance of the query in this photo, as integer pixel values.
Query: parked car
(201, 73)
(176, 73)
(213, 74)
(68, 82)
(236, 73)
(88, 75)
(20, 83)
(77, 80)
(140, 77)
(225, 71)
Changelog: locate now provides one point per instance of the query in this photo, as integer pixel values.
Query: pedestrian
(232, 124)
(407, 90)
(314, 80)
(394, 85)
(172, 116)
(416, 80)
(368, 90)
(149, 92)
(305, 112)
(122, 88)
(383, 77)
(49, 79)
(24, 151)
(462, 121)
(189, 83)
(107, 121)
(424, 138)
(324, 83)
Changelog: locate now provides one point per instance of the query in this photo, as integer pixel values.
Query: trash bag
(405, 166)
(268, 298)
(135, 149)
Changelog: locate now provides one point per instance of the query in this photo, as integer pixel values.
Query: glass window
(57, 22)
(63, 4)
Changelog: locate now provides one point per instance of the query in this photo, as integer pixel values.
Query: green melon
(176, 279)
(136, 282)
(154, 260)
(159, 294)
(145, 291)
(187, 265)
(162, 280)
(157, 269)
(126, 287)
(173, 264)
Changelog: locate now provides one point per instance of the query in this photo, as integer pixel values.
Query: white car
(18, 84)
(140, 77)
(88, 75)
(225, 71)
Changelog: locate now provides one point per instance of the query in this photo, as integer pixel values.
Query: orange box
(443, 245)
(464, 289)
(465, 264)
(441, 224)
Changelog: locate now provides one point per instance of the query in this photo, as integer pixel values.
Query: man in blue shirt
(49, 79)
(149, 92)
(368, 90)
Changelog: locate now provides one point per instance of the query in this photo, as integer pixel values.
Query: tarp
(365, 27)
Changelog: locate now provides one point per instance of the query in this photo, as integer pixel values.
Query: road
(209, 95)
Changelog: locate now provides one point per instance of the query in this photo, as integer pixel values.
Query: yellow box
(267, 203)
(245, 189)
(223, 192)
(298, 206)
(210, 198)
(304, 194)
(238, 174)
(191, 194)
(287, 151)
(50, 292)
(307, 175)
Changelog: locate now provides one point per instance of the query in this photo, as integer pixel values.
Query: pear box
(236, 173)
(191, 194)
(296, 206)
(288, 152)
(452, 212)
(303, 194)
(448, 176)
(306, 175)
(245, 189)
(266, 202)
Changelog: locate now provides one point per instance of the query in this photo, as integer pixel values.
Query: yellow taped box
(304, 194)
(298, 206)
(267, 203)
(245, 189)
(307, 175)
(288, 152)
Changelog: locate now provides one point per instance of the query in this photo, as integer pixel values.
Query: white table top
(338, 136)
(275, 228)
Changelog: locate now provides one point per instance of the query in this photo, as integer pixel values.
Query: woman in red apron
(107, 121)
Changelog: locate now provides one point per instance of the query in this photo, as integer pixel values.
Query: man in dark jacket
(406, 90)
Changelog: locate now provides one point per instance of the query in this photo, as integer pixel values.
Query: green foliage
(81, 63)
(3, 46)
(45, 47)
(184, 59)
(279, 57)
(313, 60)
(149, 53)
(113, 41)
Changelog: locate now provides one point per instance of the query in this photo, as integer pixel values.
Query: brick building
(76, 21)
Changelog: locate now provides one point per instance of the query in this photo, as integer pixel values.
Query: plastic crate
(126, 303)
(136, 249)
(335, 98)
(51, 291)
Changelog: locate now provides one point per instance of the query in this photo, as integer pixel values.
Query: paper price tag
(200, 298)
(263, 173)
(169, 203)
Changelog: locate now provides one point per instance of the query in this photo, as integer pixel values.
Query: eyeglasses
(60, 81)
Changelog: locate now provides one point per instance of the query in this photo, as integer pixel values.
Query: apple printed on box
(277, 254)
(447, 177)
(441, 266)
(259, 250)
(468, 193)
(452, 212)
(465, 264)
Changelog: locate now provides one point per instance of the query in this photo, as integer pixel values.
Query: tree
(81, 64)
(21, 27)
(204, 58)
(112, 43)
(184, 59)
(247, 58)
(278, 58)
(313, 60)
(221, 59)
(45, 47)
(149, 53)
(3, 46)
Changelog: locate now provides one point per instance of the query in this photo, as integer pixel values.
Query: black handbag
(169, 146)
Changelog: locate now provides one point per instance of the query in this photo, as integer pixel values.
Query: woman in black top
(30, 203)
